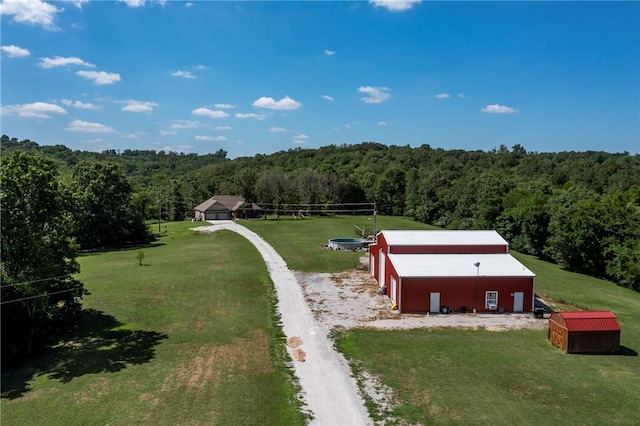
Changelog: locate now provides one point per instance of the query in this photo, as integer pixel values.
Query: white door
(518, 301)
(381, 269)
(372, 264)
(434, 306)
(393, 289)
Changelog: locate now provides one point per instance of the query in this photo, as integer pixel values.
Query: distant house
(585, 331)
(436, 271)
(226, 207)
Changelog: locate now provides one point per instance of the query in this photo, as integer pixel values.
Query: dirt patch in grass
(211, 362)
(95, 390)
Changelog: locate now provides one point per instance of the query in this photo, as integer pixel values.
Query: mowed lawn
(300, 241)
(449, 376)
(190, 337)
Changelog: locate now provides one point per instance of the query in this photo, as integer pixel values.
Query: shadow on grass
(101, 345)
(625, 351)
(145, 246)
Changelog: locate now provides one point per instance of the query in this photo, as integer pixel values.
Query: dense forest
(579, 209)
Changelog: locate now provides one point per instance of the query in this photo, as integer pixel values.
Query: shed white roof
(458, 265)
(442, 237)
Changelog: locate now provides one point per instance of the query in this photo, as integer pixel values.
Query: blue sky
(260, 77)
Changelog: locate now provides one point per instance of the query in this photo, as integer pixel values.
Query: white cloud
(301, 139)
(202, 138)
(188, 4)
(88, 127)
(443, 96)
(138, 106)
(329, 52)
(77, 3)
(395, 5)
(499, 109)
(225, 106)
(34, 12)
(327, 97)
(79, 104)
(166, 132)
(99, 77)
(183, 74)
(134, 135)
(278, 129)
(206, 112)
(94, 140)
(15, 51)
(375, 95)
(382, 123)
(201, 67)
(184, 124)
(251, 115)
(33, 110)
(134, 3)
(461, 95)
(224, 128)
(285, 103)
(59, 61)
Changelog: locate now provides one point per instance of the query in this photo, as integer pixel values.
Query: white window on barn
(491, 300)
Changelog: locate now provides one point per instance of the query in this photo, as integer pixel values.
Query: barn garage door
(393, 289)
(381, 279)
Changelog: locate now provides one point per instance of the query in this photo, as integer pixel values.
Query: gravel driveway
(329, 391)
(312, 304)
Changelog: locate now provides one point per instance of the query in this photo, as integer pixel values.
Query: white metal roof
(458, 265)
(442, 237)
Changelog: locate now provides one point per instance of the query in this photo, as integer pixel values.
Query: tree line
(45, 219)
(578, 209)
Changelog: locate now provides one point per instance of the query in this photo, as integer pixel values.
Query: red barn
(428, 271)
(431, 242)
(585, 331)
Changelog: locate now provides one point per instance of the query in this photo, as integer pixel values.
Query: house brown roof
(229, 202)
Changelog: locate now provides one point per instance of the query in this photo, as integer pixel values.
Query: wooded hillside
(579, 209)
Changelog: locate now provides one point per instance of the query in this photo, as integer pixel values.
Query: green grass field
(188, 338)
(298, 241)
(451, 376)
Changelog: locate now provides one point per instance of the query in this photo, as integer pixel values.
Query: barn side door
(518, 301)
(434, 305)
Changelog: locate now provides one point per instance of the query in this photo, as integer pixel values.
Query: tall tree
(107, 215)
(39, 293)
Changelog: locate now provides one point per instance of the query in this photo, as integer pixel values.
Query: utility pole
(375, 228)
(477, 265)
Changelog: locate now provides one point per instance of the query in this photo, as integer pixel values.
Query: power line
(41, 295)
(35, 281)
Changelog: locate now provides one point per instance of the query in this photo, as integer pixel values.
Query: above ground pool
(347, 243)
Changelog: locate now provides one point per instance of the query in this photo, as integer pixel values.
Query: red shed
(585, 331)
(430, 242)
(421, 283)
